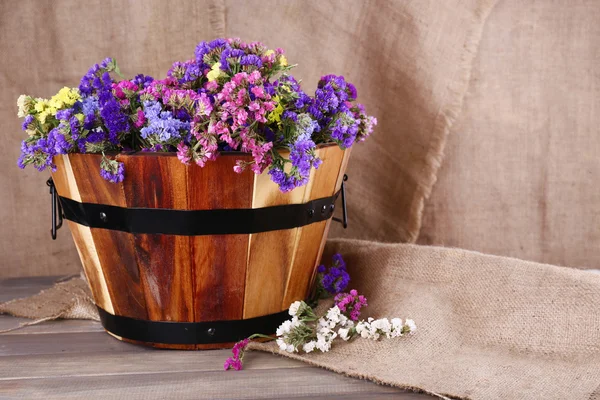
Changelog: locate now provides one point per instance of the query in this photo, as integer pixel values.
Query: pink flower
(183, 153)
(239, 347)
(351, 302)
(258, 91)
(211, 86)
(141, 119)
(254, 106)
(241, 116)
(254, 77)
(233, 363)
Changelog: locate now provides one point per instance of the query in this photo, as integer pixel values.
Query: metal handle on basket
(344, 220)
(56, 209)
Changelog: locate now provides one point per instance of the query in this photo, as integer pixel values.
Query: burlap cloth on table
(488, 327)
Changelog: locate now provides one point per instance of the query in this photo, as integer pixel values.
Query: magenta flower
(235, 362)
(351, 304)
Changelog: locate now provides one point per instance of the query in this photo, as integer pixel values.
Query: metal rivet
(211, 331)
(332, 207)
(311, 212)
(103, 217)
(323, 209)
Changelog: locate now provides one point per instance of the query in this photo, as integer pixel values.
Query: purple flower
(229, 54)
(64, 114)
(39, 153)
(185, 72)
(251, 59)
(58, 140)
(336, 278)
(89, 80)
(344, 129)
(28, 123)
(285, 182)
(142, 81)
(113, 171)
(74, 127)
(116, 121)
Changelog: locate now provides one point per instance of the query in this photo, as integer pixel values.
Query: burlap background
(520, 176)
(520, 169)
(410, 60)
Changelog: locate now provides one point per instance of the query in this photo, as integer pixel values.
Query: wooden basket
(207, 283)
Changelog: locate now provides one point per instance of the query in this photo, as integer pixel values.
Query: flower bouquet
(199, 203)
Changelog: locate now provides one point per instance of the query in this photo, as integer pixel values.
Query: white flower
(412, 327)
(383, 326)
(282, 345)
(310, 346)
(294, 308)
(294, 323)
(343, 320)
(323, 343)
(21, 104)
(333, 314)
(344, 333)
(363, 329)
(324, 331)
(284, 328)
(361, 326)
(323, 322)
(290, 348)
(396, 323)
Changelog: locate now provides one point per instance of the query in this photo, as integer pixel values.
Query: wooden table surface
(76, 359)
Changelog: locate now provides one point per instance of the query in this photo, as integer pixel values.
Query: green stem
(260, 335)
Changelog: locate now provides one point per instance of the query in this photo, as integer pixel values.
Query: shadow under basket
(185, 257)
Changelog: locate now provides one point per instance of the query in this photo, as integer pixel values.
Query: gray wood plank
(15, 288)
(63, 343)
(247, 384)
(59, 326)
(130, 363)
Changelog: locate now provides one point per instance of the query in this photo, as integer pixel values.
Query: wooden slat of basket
(116, 250)
(66, 185)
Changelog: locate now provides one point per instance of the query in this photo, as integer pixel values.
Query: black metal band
(198, 222)
(190, 332)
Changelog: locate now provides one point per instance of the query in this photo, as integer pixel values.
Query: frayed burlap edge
(70, 299)
(455, 94)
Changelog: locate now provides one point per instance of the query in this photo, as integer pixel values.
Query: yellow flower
(283, 61)
(43, 115)
(269, 52)
(275, 115)
(80, 117)
(40, 104)
(215, 72)
(65, 98)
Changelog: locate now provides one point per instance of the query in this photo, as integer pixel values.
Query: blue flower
(162, 125)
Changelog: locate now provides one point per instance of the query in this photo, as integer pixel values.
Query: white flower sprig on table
(305, 332)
